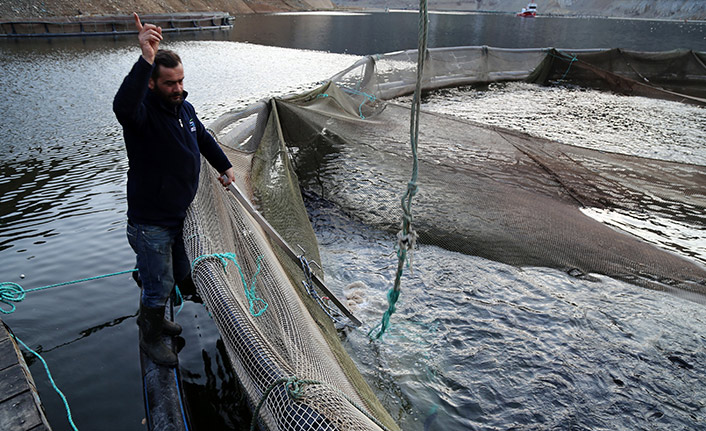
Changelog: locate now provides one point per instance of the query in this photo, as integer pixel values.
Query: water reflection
(373, 33)
(216, 399)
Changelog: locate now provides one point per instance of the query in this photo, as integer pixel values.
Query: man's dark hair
(164, 58)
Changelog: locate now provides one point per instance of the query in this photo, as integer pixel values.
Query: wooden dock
(20, 407)
(106, 25)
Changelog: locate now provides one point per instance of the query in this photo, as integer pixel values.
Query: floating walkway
(104, 25)
(20, 408)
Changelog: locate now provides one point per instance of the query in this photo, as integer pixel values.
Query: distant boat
(530, 11)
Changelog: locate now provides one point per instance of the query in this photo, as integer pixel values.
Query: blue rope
(249, 287)
(13, 292)
(51, 379)
(573, 58)
(406, 237)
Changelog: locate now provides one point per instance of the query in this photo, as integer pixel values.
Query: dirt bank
(52, 8)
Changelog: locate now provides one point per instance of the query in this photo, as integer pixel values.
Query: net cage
(487, 191)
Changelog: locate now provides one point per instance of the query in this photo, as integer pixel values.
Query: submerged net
(484, 191)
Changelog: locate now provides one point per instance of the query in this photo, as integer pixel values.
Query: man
(164, 142)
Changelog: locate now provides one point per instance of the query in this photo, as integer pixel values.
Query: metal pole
(270, 231)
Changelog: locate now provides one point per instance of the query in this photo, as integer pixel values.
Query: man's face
(169, 85)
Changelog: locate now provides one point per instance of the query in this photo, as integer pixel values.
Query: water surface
(475, 344)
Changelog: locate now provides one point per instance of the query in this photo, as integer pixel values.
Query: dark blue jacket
(163, 144)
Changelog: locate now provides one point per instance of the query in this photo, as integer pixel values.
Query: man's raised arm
(127, 103)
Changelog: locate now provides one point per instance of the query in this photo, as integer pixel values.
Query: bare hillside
(52, 8)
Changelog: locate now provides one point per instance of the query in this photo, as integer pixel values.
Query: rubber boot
(170, 328)
(151, 342)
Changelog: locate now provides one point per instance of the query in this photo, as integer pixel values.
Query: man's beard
(172, 99)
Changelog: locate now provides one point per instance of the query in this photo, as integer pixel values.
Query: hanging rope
(571, 58)
(13, 292)
(406, 237)
(249, 287)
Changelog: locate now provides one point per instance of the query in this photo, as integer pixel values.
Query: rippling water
(480, 345)
(474, 344)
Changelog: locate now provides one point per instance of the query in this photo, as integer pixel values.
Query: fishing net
(678, 75)
(282, 344)
(485, 191)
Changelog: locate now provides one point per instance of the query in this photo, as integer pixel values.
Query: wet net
(673, 75)
(485, 191)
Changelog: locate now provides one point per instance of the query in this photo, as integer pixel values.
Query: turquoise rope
(572, 59)
(407, 236)
(51, 379)
(368, 97)
(13, 292)
(179, 298)
(249, 287)
(566, 57)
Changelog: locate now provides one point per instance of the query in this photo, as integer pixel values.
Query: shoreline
(539, 16)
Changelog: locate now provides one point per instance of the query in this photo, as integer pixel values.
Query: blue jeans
(161, 260)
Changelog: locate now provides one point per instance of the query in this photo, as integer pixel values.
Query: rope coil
(10, 293)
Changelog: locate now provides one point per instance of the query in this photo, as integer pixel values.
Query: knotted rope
(406, 237)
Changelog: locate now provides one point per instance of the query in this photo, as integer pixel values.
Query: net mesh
(678, 75)
(485, 191)
(284, 340)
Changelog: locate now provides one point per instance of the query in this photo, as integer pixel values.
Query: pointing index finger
(138, 24)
